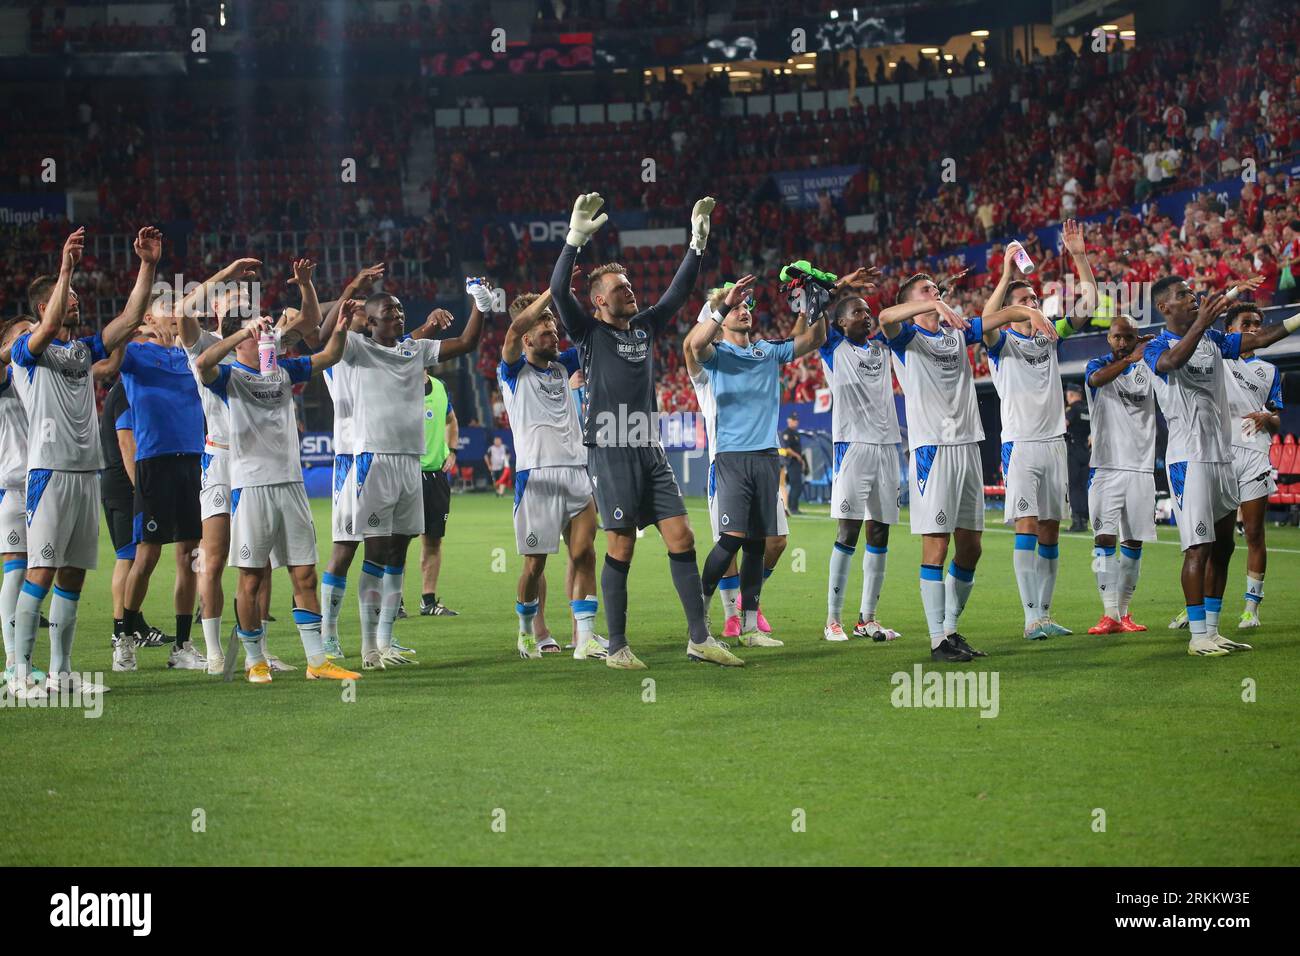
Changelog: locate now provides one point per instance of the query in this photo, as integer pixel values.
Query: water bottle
(266, 352)
(1022, 260)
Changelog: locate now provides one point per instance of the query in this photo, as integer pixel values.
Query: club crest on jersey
(759, 353)
(405, 351)
(428, 413)
(1040, 340)
(639, 333)
(79, 352)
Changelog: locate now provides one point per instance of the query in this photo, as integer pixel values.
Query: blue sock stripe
(1214, 604)
(529, 608)
(767, 573)
(1104, 552)
(960, 573)
(369, 567)
(1049, 551)
(844, 548)
(729, 584)
(390, 569)
(583, 607)
(249, 635)
(334, 580)
(301, 616)
(1196, 612)
(872, 549)
(66, 595)
(931, 572)
(1026, 542)
(1257, 598)
(35, 590)
(17, 564)
(1134, 553)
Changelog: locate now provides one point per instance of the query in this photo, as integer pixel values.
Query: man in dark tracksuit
(1077, 430)
(792, 445)
(634, 484)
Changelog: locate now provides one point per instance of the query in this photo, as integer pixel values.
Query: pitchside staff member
(1078, 428)
(792, 451)
(441, 437)
(116, 494)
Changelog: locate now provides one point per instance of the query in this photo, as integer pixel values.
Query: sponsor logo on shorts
(47, 552)
(531, 540)
(1200, 528)
(941, 518)
(245, 553)
(373, 520)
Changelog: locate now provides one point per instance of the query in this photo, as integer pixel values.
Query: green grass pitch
(581, 769)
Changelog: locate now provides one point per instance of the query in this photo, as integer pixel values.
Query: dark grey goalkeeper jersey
(619, 407)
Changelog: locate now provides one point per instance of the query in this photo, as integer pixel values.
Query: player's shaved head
(376, 301)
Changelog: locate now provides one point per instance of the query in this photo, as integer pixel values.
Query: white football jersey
(264, 446)
(13, 433)
(708, 403)
(58, 391)
(1123, 418)
(938, 385)
(1028, 381)
(1251, 383)
(214, 409)
(861, 380)
(387, 389)
(1194, 398)
(543, 419)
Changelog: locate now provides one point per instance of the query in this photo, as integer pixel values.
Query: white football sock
(1025, 563)
(584, 617)
(332, 589)
(873, 579)
(212, 637)
(527, 611)
(1048, 562)
(63, 628)
(841, 557)
(369, 592)
(1254, 591)
(253, 652)
(15, 572)
(309, 630)
(1213, 607)
(1130, 568)
(27, 613)
(1108, 572)
(729, 588)
(932, 600)
(957, 587)
(389, 600)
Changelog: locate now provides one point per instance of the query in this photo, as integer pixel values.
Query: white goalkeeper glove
(480, 292)
(584, 222)
(700, 223)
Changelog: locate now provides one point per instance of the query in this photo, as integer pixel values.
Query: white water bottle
(1022, 260)
(266, 352)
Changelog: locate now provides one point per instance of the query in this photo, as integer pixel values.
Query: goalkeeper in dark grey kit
(634, 483)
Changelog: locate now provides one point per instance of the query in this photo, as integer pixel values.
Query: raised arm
(1269, 334)
(308, 317)
(362, 281)
(46, 330)
(1016, 313)
(513, 346)
(467, 341)
(810, 337)
(683, 282)
(1072, 234)
(332, 353)
(1176, 356)
(583, 224)
(208, 362)
(1105, 374)
(105, 369)
(893, 317)
(148, 246)
(994, 302)
(188, 309)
